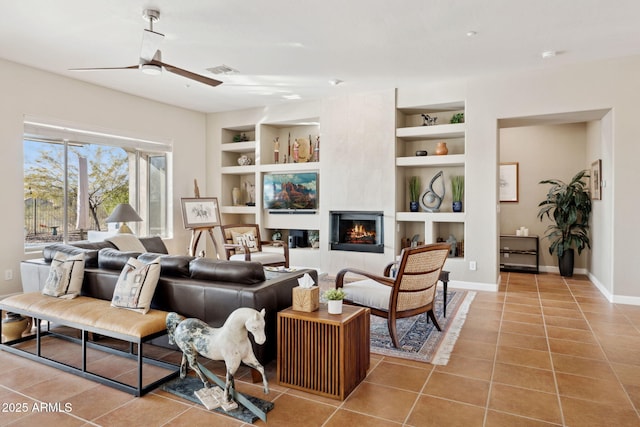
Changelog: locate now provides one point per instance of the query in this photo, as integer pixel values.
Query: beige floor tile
(593, 389)
(584, 367)
(378, 401)
(526, 403)
(584, 413)
(523, 341)
(501, 419)
(525, 377)
(576, 348)
(523, 328)
(561, 333)
(460, 389)
(399, 376)
(524, 357)
(435, 412)
(468, 367)
(343, 417)
(475, 349)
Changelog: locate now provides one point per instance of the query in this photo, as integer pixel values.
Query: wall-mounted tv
(291, 192)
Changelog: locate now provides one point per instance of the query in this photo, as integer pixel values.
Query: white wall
(27, 91)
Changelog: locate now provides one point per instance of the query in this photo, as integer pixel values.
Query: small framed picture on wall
(509, 182)
(596, 180)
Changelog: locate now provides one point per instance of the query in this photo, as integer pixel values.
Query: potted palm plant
(457, 192)
(569, 206)
(414, 193)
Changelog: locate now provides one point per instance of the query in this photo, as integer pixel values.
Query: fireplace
(357, 231)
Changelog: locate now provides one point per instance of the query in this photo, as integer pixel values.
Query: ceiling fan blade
(188, 74)
(105, 68)
(150, 44)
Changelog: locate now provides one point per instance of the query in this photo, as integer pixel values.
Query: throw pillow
(126, 242)
(136, 285)
(248, 239)
(65, 276)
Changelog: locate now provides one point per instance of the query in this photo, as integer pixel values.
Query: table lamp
(123, 213)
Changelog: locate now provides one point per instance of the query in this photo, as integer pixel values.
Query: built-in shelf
(445, 131)
(430, 216)
(239, 147)
(290, 167)
(238, 209)
(447, 160)
(238, 170)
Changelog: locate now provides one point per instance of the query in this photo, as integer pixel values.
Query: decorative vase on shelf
(414, 206)
(235, 196)
(441, 149)
(334, 306)
(457, 206)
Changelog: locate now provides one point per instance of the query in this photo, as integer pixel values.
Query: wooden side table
(322, 353)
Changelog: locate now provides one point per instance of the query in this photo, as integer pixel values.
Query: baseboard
(474, 286)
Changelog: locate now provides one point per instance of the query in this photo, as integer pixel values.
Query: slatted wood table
(322, 353)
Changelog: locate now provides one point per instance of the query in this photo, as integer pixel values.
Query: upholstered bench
(90, 315)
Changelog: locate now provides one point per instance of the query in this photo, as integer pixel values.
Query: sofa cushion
(170, 265)
(90, 255)
(65, 276)
(113, 259)
(136, 285)
(240, 272)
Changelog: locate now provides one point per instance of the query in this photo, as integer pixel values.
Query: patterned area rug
(419, 338)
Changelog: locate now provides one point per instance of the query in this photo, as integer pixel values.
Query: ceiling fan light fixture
(151, 69)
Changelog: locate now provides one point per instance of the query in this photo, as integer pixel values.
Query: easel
(196, 232)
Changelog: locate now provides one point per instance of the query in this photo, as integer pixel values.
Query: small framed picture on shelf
(509, 182)
(596, 180)
(200, 212)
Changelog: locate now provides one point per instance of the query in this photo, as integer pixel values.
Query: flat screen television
(291, 192)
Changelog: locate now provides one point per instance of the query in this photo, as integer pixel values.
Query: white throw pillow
(65, 276)
(126, 242)
(136, 285)
(248, 239)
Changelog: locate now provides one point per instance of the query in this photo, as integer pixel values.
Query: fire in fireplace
(357, 231)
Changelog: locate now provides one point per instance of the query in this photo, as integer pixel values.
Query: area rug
(419, 338)
(186, 387)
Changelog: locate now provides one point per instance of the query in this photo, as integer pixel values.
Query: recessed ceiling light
(549, 54)
(335, 82)
(292, 96)
(471, 33)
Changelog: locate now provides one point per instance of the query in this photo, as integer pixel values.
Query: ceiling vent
(223, 69)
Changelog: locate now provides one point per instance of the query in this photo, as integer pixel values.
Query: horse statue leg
(251, 361)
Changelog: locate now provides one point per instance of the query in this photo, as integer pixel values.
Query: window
(73, 179)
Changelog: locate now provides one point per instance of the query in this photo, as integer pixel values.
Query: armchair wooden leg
(393, 333)
(433, 317)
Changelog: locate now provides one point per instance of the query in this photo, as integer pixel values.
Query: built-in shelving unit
(257, 142)
(411, 136)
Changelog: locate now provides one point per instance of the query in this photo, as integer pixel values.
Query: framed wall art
(200, 212)
(509, 182)
(596, 180)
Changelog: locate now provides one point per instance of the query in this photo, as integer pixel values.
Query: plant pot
(334, 306)
(414, 206)
(441, 149)
(457, 206)
(565, 263)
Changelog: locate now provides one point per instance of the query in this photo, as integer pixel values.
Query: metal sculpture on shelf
(427, 120)
(430, 200)
(230, 343)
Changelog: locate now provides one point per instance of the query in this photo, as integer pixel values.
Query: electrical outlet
(506, 254)
(8, 274)
(472, 265)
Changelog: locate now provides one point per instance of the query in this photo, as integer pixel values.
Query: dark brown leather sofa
(203, 288)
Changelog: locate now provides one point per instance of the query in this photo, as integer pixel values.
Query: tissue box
(306, 299)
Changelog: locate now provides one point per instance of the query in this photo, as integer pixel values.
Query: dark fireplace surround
(359, 231)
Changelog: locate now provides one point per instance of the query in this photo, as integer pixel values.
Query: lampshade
(123, 213)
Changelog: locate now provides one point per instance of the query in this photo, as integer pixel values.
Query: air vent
(223, 69)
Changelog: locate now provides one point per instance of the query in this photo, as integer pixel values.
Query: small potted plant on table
(334, 299)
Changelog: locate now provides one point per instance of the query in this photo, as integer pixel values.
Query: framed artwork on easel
(200, 212)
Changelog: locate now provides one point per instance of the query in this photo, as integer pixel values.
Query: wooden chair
(411, 292)
(242, 242)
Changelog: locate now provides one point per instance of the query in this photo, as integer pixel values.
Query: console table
(519, 253)
(322, 353)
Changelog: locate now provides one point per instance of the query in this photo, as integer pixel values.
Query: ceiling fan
(151, 57)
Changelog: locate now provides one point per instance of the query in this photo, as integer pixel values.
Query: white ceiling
(294, 47)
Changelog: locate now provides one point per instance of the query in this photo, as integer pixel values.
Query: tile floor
(542, 351)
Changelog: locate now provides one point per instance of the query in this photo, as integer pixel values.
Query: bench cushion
(91, 314)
